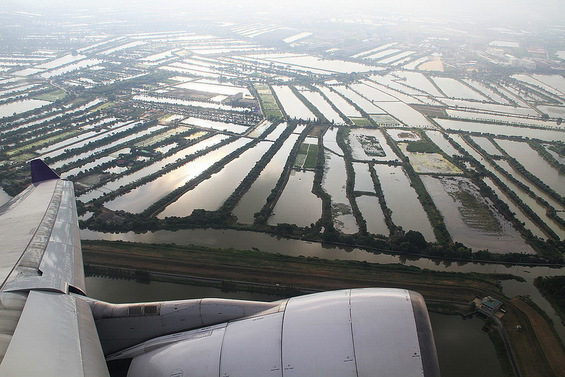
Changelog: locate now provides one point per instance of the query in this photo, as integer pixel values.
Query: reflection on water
(535, 164)
(463, 348)
(255, 197)
(212, 192)
(124, 291)
(297, 204)
(401, 198)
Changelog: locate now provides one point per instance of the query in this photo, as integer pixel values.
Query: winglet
(41, 172)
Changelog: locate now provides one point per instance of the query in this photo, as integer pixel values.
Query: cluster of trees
(422, 146)
(535, 180)
(559, 148)
(553, 288)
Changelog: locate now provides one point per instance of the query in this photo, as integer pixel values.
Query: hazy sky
(537, 10)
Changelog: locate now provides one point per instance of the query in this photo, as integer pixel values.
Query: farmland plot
(373, 214)
(419, 81)
(359, 100)
(472, 219)
(405, 114)
(369, 144)
(540, 210)
(256, 196)
(330, 141)
(486, 145)
(211, 193)
(430, 163)
(520, 215)
(291, 104)
(535, 164)
(372, 93)
(489, 107)
(334, 182)
(455, 89)
(401, 199)
(486, 90)
(129, 178)
(500, 118)
(345, 107)
(497, 129)
(439, 140)
(323, 106)
(363, 180)
(216, 125)
(297, 204)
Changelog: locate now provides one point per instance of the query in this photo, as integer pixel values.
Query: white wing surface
(46, 327)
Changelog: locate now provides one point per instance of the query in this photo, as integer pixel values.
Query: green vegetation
(476, 213)
(559, 148)
(269, 104)
(422, 146)
(307, 156)
(52, 96)
(362, 122)
(36, 144)
(553, 289)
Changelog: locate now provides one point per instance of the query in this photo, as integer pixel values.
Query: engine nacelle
(359, 332)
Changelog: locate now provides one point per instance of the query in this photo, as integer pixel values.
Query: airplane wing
(46, 328)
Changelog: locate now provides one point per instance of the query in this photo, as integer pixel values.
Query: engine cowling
(360, 332)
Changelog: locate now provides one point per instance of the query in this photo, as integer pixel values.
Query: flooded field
(339, 102)
(297, 204)
(330, 142)
(438, 139)
(372, 214)
(334, 183)
(212, 192)
(429, 163)
(401, 198)
(358, 99)
(456, 89)
(291, 104)
(472, 219)
(486, 145)
(497, 129)
(255, 198)
(129, 178)
(215, 125)
(530, 202)
(21, 107)
(363, 180)
(520, 215)
(405, 114)
(535, 164)
(323, 106)
(369, 144)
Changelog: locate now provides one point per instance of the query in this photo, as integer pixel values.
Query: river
(246, 240)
